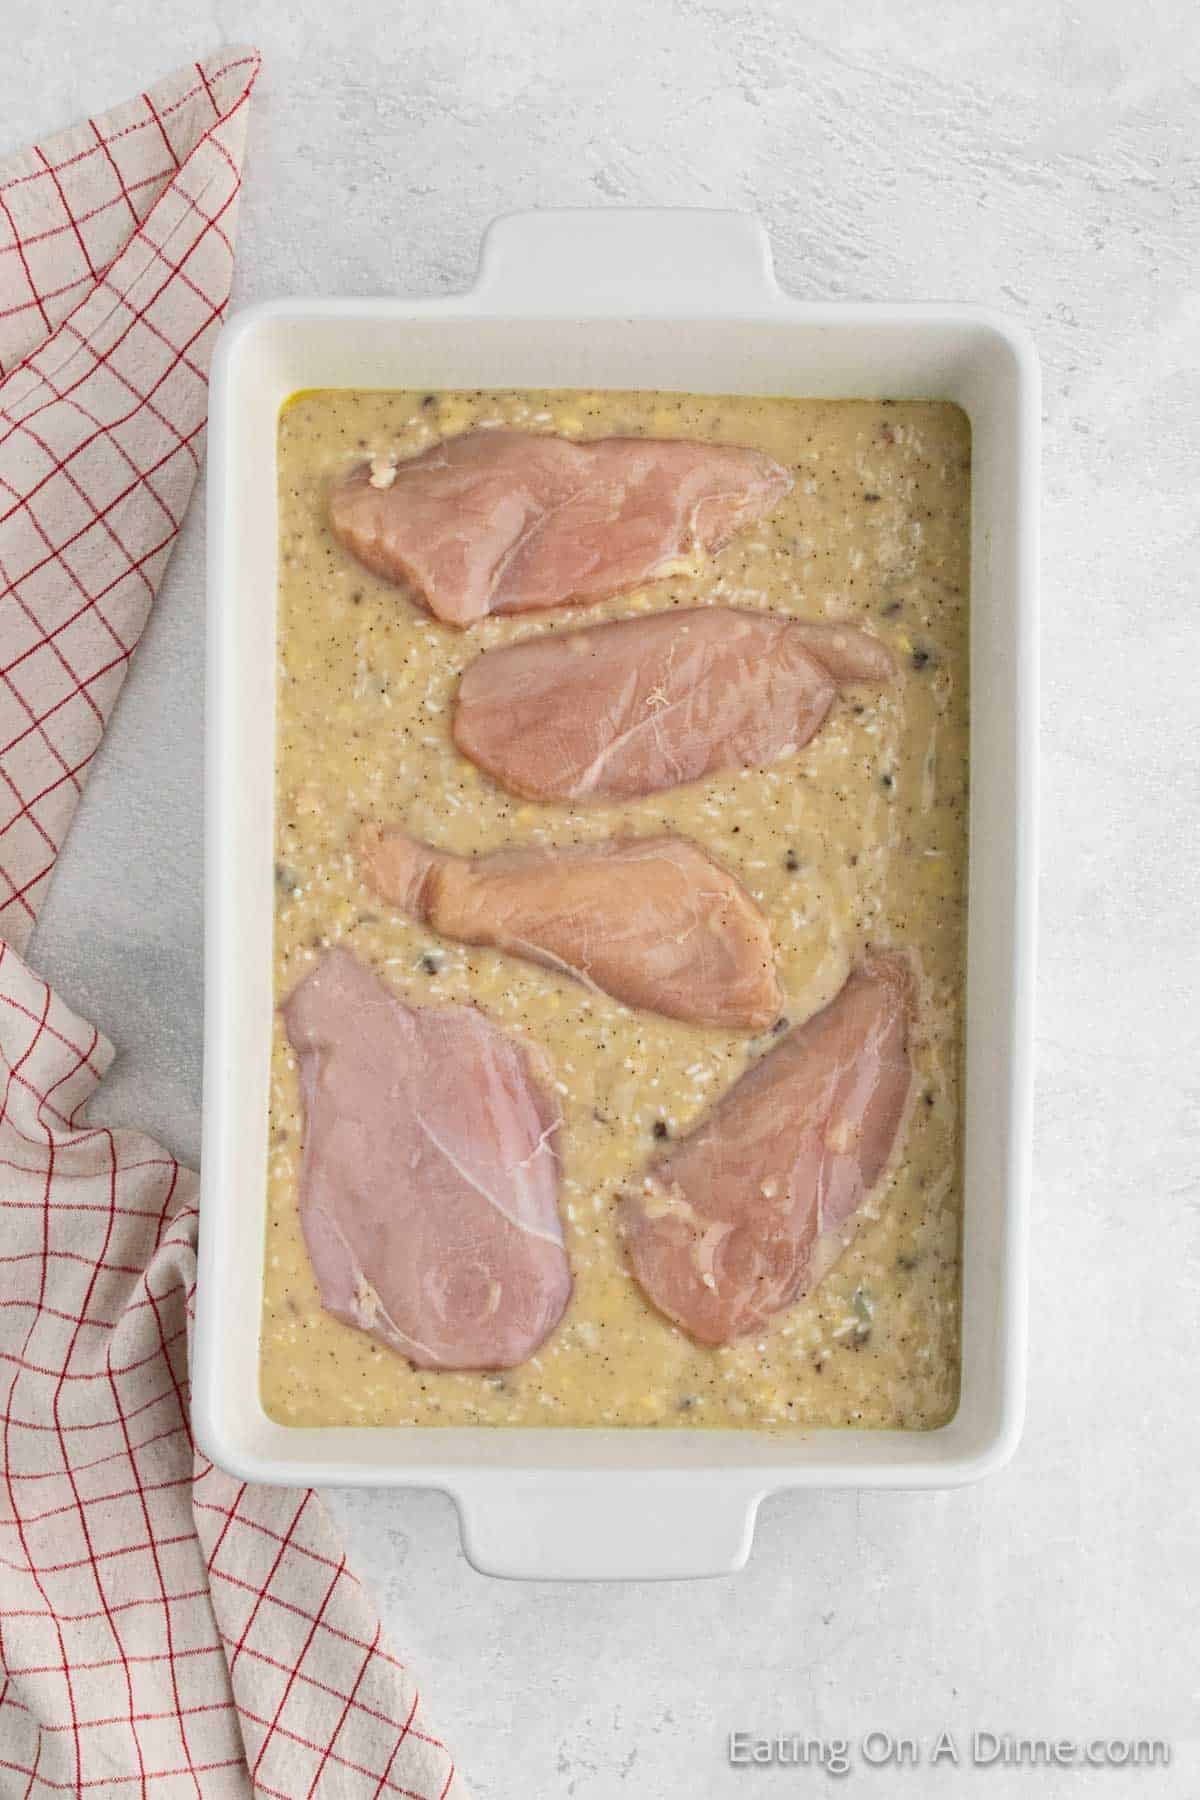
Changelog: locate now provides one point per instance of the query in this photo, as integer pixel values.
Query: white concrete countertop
(1042, 158)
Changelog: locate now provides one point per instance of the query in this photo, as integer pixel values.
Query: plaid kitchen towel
(164, 1629)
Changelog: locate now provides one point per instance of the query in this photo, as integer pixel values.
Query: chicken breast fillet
(752, 1208)
(429, 1185)
(507, 521)
(653, 921)
(616, 711)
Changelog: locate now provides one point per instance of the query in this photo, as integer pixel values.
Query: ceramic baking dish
(623, 299)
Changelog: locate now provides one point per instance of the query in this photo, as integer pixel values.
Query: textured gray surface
(1040, 157)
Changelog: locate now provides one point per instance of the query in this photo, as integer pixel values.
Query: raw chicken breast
(755, 1205)
(630, 708)
(504, 521)
(429, 1189)
(653, 921)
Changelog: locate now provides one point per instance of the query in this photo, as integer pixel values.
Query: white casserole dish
(624, 299)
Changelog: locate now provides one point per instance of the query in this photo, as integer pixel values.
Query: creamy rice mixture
(860, 839)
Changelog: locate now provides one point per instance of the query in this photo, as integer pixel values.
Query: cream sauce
(860, 839)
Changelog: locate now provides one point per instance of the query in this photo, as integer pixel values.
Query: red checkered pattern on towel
(164, 1629)
(116, 255)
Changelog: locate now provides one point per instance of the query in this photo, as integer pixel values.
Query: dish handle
(635, 259)
(626, 1525)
